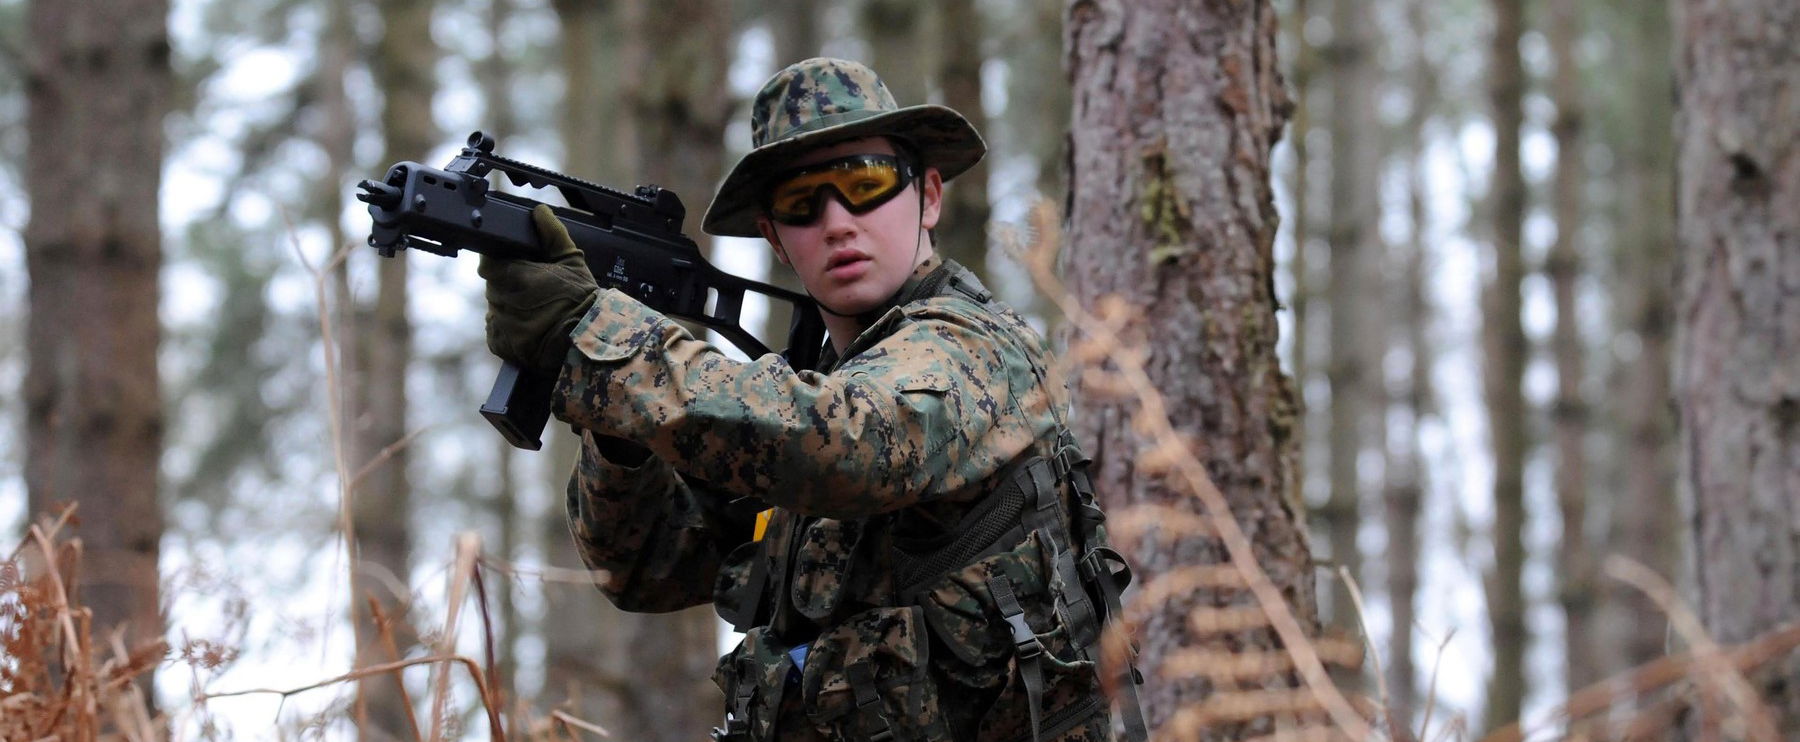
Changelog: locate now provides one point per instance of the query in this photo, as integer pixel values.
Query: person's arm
(660, 539)
(941, 403)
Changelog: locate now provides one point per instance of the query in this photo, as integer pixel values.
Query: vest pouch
(754, 677)
(737, 588)
(964, 617)
(867, 679)
(822, 567)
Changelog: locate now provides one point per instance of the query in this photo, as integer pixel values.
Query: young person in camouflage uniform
(902, 531)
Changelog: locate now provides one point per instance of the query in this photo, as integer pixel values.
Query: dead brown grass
(57, 680)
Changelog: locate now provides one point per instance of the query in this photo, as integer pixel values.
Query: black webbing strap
(872, 721)
(1098, 562)
(1128, 679)
(737, 718)
(1026, 646)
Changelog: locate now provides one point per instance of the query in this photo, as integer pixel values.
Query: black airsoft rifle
(632, 242)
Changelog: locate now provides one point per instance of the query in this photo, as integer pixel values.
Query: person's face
(853, 262)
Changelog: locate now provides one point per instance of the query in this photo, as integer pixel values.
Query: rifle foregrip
(519, 405)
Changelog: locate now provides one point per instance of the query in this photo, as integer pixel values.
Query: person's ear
(932, 186)
(767, 228)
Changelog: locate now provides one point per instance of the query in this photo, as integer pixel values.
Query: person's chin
(855, 299)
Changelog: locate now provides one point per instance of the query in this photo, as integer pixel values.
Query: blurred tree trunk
(796, 26)
(895, 31)
(381, 510)
(1176, 109)
(495, 75)
(1576, 588)
(1353, 366)
(644, 676)
(962, 234)
(1405, 486)
(98, 81)
(1738, 391)
(1305, 67)
(681, 108)
(1644, 526)
(577, 620)
(1043, 98)
(1504, 349)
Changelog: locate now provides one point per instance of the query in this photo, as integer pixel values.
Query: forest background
(1475, 275)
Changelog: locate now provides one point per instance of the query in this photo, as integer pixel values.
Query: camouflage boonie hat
(822, 101)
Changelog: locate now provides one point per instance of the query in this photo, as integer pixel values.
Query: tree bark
(97, 82)
(1176, 109)
(1570, 419)
(381, 509)
(962, 232)
(1353, 366)
(1504, 348)
(1737, 389)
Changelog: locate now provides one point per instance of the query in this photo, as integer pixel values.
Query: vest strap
(1028, 650)
(871, 720)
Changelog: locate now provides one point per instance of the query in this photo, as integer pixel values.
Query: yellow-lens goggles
(859, 182)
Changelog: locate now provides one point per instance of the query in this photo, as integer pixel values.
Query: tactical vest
(895, 627)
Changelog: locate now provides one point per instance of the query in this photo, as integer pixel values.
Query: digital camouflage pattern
(820, 101)
(926, 404)
(901, 435)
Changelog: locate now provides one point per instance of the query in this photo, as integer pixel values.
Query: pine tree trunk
(895, 33)
(681, 111)
(1576, 588)
(1176, 109)
(642, 676)
(381, 510)
(797, 32)
(595, 139)
(1737, 390)
(494, 73)
(1645, 523)
(1405, 488)
(1300, 222)
(1352, 368)
(1504, 348)
(98, 83)
(962, 234)
(797, 36)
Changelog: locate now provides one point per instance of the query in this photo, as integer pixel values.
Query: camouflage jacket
(892, 443)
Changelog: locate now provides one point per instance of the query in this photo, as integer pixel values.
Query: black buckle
(868, 703)
(1025, 641)
(735, 730)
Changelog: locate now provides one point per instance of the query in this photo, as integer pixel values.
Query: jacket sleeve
(940, 403)
(660, 539)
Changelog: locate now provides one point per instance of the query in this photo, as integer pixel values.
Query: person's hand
(533, 306)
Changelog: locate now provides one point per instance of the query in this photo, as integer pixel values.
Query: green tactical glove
(533, 306)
